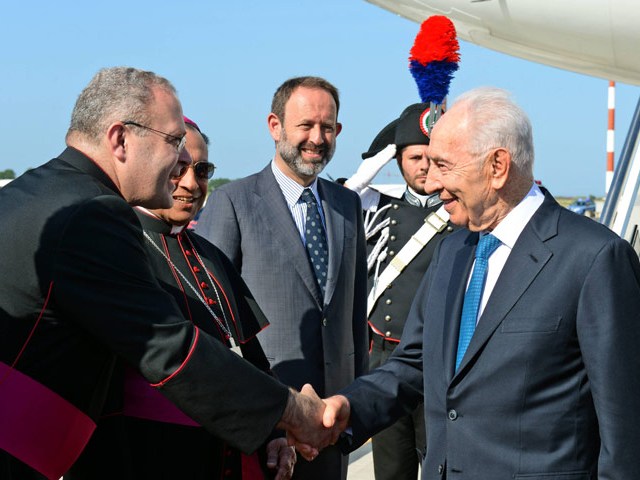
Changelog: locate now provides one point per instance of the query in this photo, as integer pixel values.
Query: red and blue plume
(434, 58)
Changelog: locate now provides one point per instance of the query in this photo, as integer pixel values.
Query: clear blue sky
(226, 58)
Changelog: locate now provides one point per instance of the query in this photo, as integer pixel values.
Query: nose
(423, 163)
(184, 161)
(316, 135)
(432, 183)
(189, 181)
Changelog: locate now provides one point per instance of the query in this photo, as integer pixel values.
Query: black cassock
(145, 436)
(77, 294)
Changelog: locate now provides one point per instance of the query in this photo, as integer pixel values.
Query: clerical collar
(175, 229)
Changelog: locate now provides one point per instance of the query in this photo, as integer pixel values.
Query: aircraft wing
(594, 37)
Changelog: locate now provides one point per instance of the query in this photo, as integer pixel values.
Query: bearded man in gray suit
(273, 226)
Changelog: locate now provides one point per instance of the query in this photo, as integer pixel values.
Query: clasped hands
(312, 423)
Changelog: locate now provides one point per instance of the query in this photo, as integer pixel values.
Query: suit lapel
(276, 217)
(334, 218)
(528, 257)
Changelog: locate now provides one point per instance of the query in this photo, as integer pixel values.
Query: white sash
(434, 223)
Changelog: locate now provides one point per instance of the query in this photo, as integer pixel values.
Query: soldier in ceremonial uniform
(402, 234)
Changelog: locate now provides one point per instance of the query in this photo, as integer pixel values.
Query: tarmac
(361, 464)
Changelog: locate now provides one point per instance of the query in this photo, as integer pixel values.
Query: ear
(500, 167)
(338, 128)
(275, 126)
(116, 139)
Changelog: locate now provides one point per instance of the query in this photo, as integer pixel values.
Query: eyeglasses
(178, 142)
(202, 170)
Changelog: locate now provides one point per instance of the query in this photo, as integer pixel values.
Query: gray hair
(115, 94)
(495, 120)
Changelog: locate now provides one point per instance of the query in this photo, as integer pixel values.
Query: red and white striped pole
(610, 135)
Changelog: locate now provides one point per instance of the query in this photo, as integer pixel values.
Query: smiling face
(414, 165)
(462, 179)
(190, 191)
(306, 138)
(152, 159)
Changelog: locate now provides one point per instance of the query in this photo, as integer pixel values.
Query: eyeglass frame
(182, 141)
(209, 175)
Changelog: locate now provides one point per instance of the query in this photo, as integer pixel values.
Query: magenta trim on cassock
(141, 400)
(38, 426)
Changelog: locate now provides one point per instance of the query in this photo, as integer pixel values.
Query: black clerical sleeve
(103, 283)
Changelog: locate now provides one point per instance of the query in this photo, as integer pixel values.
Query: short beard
(292, 156)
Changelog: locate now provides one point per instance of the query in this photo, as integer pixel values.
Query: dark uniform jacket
(76, 291)
(390, 311)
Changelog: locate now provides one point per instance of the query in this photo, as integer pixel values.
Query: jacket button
(449, 228)
(394, 222)
(392, 238)
(440, 469)
(324, 322)
(387, 318)
(387, 334)
(388, 301)
(389, 286)
(392, 253)
(452, 414)
(395, 206)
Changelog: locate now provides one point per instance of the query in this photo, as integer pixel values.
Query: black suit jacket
(81, 291)
(549, 384)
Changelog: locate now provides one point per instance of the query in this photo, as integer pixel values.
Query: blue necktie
(315, 239)
(486, 246)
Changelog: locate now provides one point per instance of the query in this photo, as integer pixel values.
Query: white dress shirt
(292, 191)
(508, 231)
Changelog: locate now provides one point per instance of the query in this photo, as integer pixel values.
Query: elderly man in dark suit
(523, 335)
(298, 242)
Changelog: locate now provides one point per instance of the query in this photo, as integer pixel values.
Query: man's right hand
(302, 419)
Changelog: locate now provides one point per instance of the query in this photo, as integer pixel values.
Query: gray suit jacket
(308, 341)
(549, 386)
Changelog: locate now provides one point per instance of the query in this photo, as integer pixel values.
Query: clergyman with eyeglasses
(77, 292)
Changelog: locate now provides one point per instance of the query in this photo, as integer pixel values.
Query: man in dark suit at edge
(312, 291)
(534, 375)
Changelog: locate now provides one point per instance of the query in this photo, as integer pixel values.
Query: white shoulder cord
(379, 251)
(224, 327)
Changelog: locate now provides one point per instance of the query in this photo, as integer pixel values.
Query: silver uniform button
(395, 206)
(387, 334)
(452, 414)
(388, 301)
(324, 322)
(392, 253)
(387, 318)
(392, 238)
(394, 222)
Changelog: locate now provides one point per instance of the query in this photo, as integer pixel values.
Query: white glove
(369, 168)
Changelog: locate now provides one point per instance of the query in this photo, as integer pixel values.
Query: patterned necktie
(486, 246)
(315, 239)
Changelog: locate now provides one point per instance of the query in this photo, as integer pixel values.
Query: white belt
(434, 223)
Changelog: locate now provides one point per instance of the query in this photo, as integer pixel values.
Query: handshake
(312, 423)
